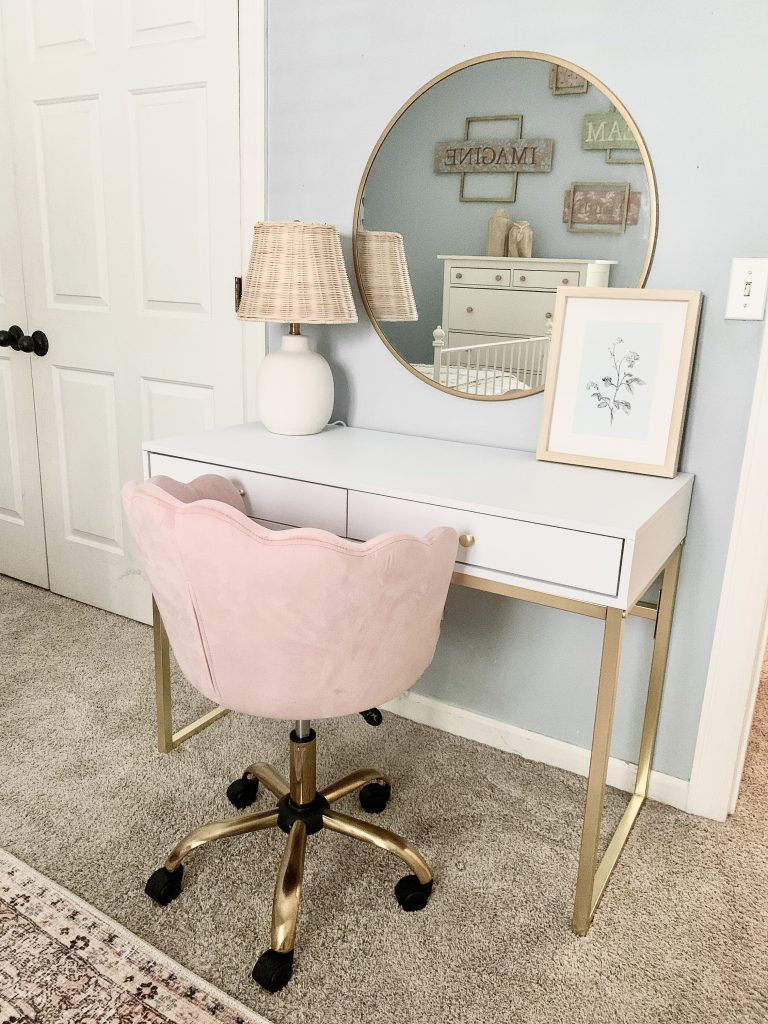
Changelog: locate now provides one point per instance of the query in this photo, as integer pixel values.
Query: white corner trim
(531, 745)
(740, 631)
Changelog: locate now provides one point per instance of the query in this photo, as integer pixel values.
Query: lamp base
(294, 389)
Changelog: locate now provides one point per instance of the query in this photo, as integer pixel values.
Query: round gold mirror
(501, 180)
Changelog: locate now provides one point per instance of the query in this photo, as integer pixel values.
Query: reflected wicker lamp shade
(384, 273)
(296, 275)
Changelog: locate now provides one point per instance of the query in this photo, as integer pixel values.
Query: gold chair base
(301, 812)
(594, 872)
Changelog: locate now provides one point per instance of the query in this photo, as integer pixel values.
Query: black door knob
(15, 334)
(41, 343)
(21, 342)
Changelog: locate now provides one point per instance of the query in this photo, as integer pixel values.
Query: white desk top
(498, 481)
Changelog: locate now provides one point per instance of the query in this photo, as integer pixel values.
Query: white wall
(692, 76)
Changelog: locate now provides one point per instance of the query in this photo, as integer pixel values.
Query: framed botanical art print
(618, 373)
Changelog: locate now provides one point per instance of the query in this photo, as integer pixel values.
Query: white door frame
(741, 630)
(252, 46)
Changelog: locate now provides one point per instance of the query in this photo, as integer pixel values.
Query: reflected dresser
(488, 296)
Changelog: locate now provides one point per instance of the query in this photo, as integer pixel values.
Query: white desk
(585, 540)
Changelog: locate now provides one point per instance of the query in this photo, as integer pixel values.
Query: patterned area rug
(62, 962)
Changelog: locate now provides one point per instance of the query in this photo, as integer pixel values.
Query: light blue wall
(693, 77)
(404, 194)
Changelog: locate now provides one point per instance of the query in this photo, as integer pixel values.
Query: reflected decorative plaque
(564, 82)
(600, 207)
(511, 154)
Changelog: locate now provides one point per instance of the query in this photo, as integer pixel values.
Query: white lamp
(296, 275)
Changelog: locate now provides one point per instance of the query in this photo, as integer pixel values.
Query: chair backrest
(287, 624)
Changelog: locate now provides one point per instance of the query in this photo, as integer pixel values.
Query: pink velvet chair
(295, 624)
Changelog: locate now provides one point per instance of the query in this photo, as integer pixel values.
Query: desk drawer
(567, 558)
(483, 310)
(276, 499)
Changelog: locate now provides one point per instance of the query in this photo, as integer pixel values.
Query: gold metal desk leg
(598, 768)
(658, 668)
(167, 739)
(593, 877)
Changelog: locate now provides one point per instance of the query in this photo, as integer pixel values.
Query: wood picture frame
(618, 374)
(565, 81)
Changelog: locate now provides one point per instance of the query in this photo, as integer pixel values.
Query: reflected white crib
(489, 368)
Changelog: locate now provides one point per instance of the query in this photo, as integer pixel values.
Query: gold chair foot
(353, 782)
(285, 905)
(381, 837)
(220, 830)
(268, 777)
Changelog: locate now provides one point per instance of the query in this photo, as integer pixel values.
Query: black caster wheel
(374, 797)
(273, 970)
(242, 792)
(412, 894)
(163, 886)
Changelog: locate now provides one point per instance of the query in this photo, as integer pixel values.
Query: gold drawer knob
(522, 277)
(466, 540)
(565, 280)
(547, 316)
(241, 491)
(498, 277)
(470, 309)
(459, 276)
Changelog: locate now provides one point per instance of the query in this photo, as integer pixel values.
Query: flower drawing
(608, 390)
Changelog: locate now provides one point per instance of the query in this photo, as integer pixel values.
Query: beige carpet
(682, 935)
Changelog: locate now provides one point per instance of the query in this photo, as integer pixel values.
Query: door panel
(58, 28)
(170, 189)
(70, 187)
(163, 21)
(11, 495)
(22, 538)
(84, 404)
(170, 407)
(126, 124)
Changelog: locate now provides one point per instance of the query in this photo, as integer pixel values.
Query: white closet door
(22, 535)
(126, 145)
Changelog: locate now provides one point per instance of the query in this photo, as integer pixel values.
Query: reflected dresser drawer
(545, 278)
(485, 311)
(491, 277)
(531, 551)
(273, 500)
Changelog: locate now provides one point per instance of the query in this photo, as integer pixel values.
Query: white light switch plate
(747, 289)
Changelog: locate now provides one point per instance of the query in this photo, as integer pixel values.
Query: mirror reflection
(501, 182)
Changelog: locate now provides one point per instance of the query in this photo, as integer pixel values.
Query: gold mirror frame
(653, 197)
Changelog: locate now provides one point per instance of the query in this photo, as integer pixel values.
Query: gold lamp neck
(295, 329)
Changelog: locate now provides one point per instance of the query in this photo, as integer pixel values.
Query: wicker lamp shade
(384, 274)
(297, 275)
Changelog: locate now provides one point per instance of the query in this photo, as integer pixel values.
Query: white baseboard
(531, 745)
